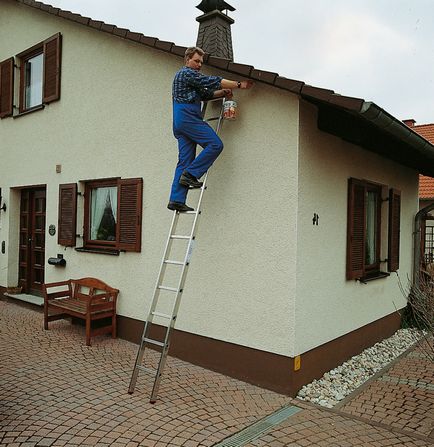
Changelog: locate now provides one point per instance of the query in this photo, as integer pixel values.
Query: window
(112, 215)
(40, 74)
(364, 230)
(372, 227)
(101, 213)
(33, 81)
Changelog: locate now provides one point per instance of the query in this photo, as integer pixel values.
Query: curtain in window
(99, 199)
(371, 217)
(34, 70)
(113, 192)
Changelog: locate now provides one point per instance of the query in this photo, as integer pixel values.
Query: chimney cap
(211, 5)
(409, 122)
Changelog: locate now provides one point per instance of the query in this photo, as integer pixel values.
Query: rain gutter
(385, 121)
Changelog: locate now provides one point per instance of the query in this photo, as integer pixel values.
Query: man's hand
(223, 93)
(227, 93)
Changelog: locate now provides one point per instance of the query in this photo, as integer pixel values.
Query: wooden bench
(88, 299)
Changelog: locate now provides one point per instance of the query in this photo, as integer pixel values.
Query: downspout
(417, 232)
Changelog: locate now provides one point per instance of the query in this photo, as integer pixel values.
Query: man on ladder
(190, 88)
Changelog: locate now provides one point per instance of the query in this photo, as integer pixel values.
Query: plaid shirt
(190, 86)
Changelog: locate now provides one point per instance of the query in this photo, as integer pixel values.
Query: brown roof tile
(150, 41)
(242, 69)
(163, 45)
(289, 84)
(95, 24)
(426, 184)
(264, 76)
(180, 51)
(425, 130)
(107, 27)
(426, 187)
(122, 32)
(134, 36)
(218, 62)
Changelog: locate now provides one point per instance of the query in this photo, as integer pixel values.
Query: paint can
(230, 110)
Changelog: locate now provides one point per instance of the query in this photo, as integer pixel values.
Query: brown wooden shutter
(6, 87)
(67, 219)
(52, 54)
(394, 229)
(129, 216)
(356, 229)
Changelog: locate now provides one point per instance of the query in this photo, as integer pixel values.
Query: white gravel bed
(338, 383)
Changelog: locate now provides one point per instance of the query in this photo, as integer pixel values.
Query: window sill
(373, 276)
(26, 112)
(103, 251)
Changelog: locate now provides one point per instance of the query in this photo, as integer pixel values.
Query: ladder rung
(159, 314)
(178, 236)
(190, 212)
(148, 370)
(213, 118)
(153, 342)
(170, 289)
(169, 261)
(220, 98)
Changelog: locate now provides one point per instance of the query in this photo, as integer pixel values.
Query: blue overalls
(190, 129)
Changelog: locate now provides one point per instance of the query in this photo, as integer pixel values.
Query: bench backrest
(89, 287)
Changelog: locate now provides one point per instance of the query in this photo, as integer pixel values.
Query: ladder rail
(181, 284)
(145, 339)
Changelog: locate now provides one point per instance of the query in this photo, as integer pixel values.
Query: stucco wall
(114, 119)
(328, 305)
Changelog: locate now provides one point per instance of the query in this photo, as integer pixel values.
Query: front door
(32, 240)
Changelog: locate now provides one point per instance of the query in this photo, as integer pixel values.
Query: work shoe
(189, 180)
(178, 206)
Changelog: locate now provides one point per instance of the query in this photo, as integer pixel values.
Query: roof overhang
(369, 126)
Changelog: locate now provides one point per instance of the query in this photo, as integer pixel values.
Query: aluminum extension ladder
(176, 292)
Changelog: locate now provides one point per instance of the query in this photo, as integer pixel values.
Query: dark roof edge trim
(388, 123)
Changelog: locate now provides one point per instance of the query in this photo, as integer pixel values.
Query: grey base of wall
(271, 371)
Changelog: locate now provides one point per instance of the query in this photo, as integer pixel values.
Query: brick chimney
(214, 35)
(409, 122)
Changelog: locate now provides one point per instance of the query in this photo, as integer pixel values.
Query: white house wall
(327, 304)
(114, 120)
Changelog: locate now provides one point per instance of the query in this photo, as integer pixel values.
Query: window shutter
(6, 87)
(356, 229)
(129, 224)
(52, 47)
(394, 229)
(67, 219)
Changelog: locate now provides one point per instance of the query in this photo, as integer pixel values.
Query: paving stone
(59, 393)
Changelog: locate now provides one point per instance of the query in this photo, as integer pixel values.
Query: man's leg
(204, 135)
(187, 152)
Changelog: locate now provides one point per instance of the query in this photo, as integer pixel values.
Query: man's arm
(227, 83)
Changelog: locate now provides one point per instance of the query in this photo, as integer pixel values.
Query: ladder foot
(152, 401)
